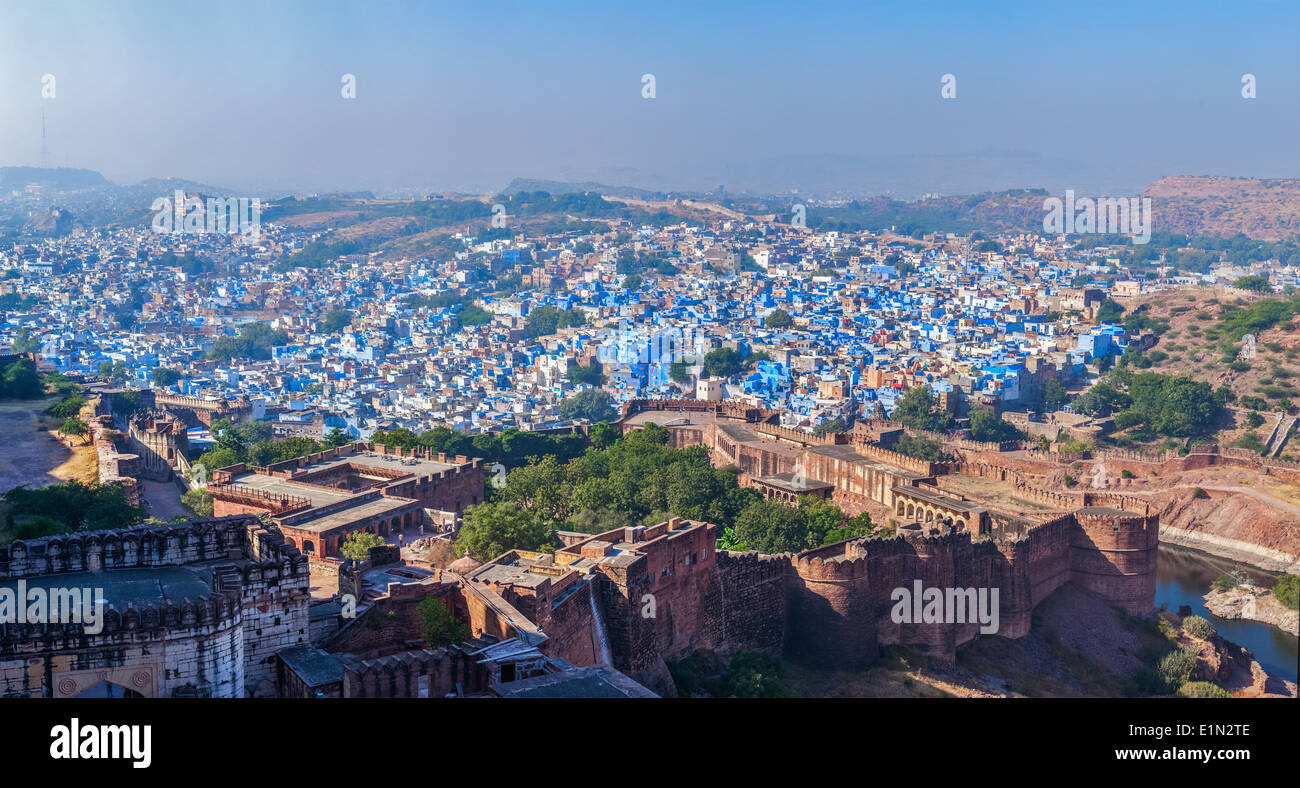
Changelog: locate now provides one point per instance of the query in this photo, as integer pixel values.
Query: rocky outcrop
(1253, 603)
(1230, 666)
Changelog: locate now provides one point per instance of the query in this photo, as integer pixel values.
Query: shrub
(1197, 492)
(1202, 689)
(1198, 627)
(754, 675)
(1224, 582)
(1287, 590)
(437, 623)
(199, 501)
(67, 408)
(1250, 440)
(1176, 667)
(1126, 474)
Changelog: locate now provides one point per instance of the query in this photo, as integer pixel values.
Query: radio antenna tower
(45, 151)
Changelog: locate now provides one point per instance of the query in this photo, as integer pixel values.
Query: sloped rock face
(1214, 524)
(1216, 661)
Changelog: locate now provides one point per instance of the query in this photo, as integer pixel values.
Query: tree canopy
(918, 409)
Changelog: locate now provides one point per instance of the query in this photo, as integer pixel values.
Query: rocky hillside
(1267, 210)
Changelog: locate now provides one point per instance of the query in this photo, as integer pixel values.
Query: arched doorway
(107, 689)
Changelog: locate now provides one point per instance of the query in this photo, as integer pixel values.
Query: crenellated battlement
(197, 608)
(923, 467)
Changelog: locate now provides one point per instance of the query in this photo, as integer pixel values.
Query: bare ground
(31, 454)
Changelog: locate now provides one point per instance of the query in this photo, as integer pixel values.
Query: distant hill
(52, 221)
(564, 187)
(1018, 209)
(1266, 210)
(63, 178)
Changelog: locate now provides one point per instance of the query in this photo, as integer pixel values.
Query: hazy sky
(466, 95)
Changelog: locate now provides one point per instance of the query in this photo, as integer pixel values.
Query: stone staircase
(1278, 439)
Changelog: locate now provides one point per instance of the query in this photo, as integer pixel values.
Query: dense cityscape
(765, 355)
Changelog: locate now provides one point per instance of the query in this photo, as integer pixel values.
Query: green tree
(67, 407)
(593, 405)
(591, 376)
(358, 543)
(604, 434)
(437, 624)
(334, 320)
(337, 436)
(74, 427)
(127, 402)
(1225, 582)
(75, 505)
(920, 411)
(199, 501)
(1109, 312)
(987, 426)
(254, 342)
(1054, 395)
(491, 529)
(221, 457)
(919, 448)
(540, 487)
(754, 675)
(1198, 627)
(19, 380)
(830, 426)
(1258, 284)
(770, 526)
(546, 320)
(724, 362)
(163, 377)
(778, 319)
(473, 315)
(25, 341)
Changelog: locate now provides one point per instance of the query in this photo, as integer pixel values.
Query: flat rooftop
(416, 466)
(138, 586)
(376, 507)
(740, 433)
(673, 418)
(276, 486)
(786, 481)
(319, 497)
(315, 667)
(994, 494)
(517, 570)
(598, 681)
(846, 453)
